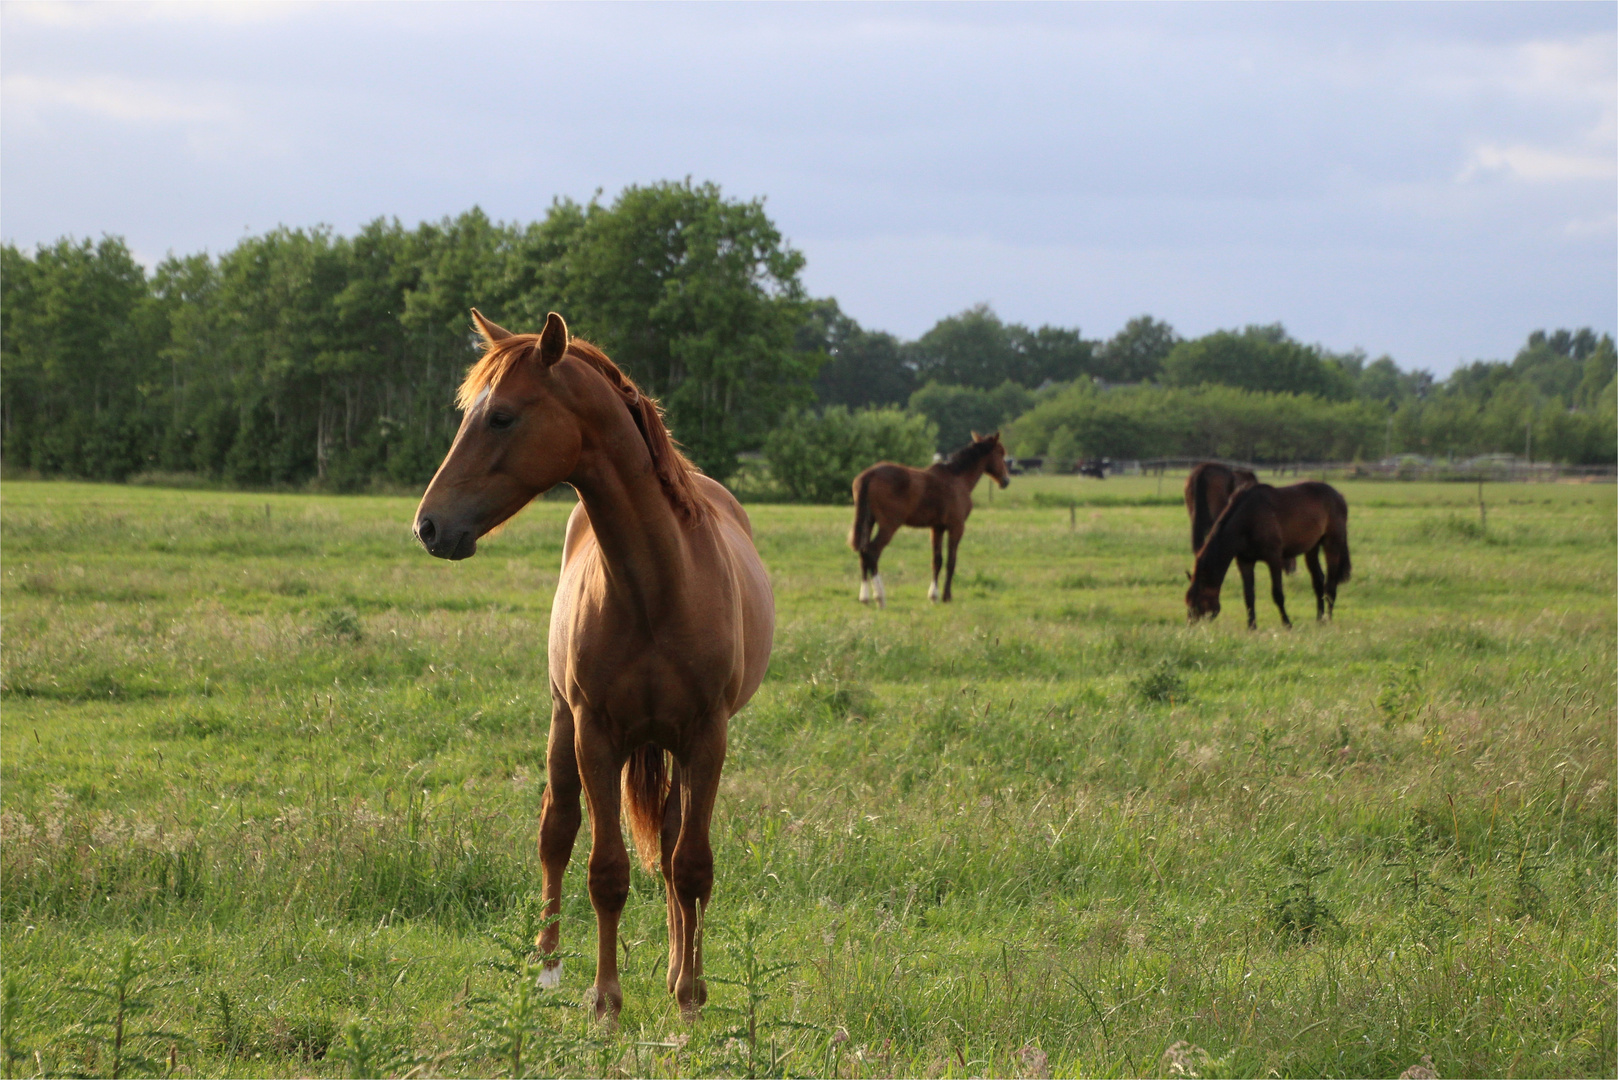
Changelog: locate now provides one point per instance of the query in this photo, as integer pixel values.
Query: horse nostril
(426, 531)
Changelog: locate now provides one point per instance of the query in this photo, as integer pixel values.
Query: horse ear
(995, 437)
(492, 332)
(552, 340)
(976, 437)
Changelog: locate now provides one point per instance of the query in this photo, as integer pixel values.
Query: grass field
(271, 777)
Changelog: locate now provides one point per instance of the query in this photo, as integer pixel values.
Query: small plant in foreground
(342, 624)
(756, 979)
(119, 1000)
(1161, 682)
(1294, 910)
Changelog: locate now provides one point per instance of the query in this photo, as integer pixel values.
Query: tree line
(305, 356)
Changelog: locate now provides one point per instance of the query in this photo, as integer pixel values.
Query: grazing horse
(660, 630)
(1274, 525)
(939, 498)
(1207, 490)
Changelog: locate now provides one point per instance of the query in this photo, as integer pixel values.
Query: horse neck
(972, 473)
(643, 542)
(1213, 561)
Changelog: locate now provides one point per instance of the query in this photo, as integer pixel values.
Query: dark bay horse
(1271, 525)
(1207, 490)
(887, 496)
(660, 630)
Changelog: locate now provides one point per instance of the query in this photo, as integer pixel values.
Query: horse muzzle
(445, 542)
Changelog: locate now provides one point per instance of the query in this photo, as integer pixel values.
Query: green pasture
(271, 777)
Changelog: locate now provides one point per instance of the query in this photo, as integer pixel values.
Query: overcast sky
(1430, 182)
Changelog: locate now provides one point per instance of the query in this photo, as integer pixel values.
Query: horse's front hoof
(606, 1002)
(550, 976)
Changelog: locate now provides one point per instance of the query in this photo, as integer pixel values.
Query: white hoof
(865, 592)
(550, 976)
(881, 593)
(932, 591)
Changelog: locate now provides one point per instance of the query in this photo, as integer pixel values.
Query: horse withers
(1207, 490)
(1271, 525)
(888, 496)
(660, 630)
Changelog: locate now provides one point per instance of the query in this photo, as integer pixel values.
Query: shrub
(815, 457)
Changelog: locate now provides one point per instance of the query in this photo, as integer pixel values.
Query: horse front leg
(938, 561)
(1276, 594)
(949, 573)
(558, 826)
(600, 766)
(1317, 578)
(692, 865)
(1246, 568)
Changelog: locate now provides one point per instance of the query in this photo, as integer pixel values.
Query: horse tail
(1345, 567)
(1201, 519)
(860, 536)
(646, 787)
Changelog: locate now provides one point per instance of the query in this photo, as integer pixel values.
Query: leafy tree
(815, 456)
(1136, 353)
(861, 367)
(1258, 358)
(698, 298)
(958, 411)
(976, 349)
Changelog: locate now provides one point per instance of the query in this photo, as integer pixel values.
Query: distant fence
(1502, 468)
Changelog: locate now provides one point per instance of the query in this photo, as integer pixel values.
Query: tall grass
(295, 766)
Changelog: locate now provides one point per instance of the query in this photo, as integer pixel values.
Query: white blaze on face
(483, 395)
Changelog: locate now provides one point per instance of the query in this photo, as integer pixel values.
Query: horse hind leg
(879, 540)
(1277, 594)
(670, 836)
(865, 578)
(1317, 579)
(558, 826)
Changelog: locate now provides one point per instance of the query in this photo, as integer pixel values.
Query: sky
(1426, 181)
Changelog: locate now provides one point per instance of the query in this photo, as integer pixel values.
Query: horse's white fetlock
(550, 976)
(881, 593)
(932, 591)
(865, 591)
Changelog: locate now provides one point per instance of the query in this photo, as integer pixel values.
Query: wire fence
(1501, 468)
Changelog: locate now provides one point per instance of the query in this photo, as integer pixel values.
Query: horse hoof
(550, 976)
(606, 1005)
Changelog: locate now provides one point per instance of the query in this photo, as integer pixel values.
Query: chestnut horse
(660, 630)
(1274, 525)
(940, 498)
(1207, 490)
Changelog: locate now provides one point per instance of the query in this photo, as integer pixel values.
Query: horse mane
(675, 472)
(967, 456)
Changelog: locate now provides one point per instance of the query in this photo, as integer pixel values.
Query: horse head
(994, 463)
(520, 435)
(1201, 600)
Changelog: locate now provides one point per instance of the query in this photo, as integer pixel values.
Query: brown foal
(660, 630)
(887, 496)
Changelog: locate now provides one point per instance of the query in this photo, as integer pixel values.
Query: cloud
(113, 98)
(1537, 164)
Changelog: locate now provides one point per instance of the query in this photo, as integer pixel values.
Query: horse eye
(501, 421)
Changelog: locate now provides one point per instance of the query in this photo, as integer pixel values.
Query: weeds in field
(1293, 908)
(110, 1026)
